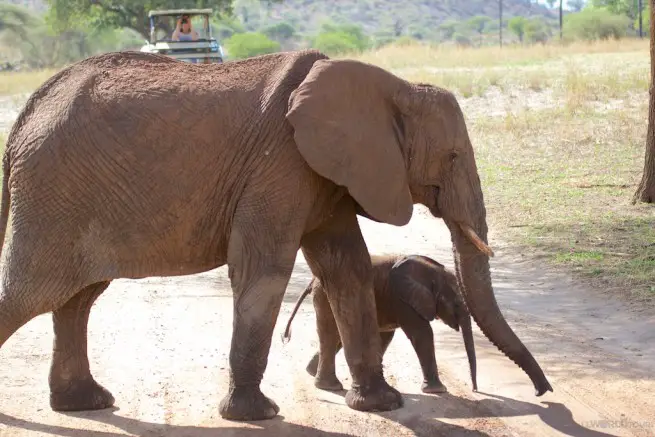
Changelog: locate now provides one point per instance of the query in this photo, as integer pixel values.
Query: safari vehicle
(204, 50)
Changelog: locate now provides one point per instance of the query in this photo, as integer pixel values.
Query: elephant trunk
(473, 275)
(467, 335)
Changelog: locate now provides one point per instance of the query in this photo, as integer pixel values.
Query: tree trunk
(646, 190)
(500, 22)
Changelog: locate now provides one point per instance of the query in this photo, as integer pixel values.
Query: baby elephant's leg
(322, 365)
(419, 332)
(386, 337)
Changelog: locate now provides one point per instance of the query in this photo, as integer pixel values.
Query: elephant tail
(286, 336)
(4, 206)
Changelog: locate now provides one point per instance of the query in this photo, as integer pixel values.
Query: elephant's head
(392, 143)
(432, 292)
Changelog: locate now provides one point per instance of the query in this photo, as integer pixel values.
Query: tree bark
(646, 190)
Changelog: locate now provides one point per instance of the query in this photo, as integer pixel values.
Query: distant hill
(418, 18)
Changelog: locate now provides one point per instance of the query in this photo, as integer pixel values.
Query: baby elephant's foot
(81, 395)
(329, 383)
(378, 396)
(433, 387)
(312, 366)
(247, 403)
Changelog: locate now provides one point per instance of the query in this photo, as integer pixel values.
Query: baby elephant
(410, 291)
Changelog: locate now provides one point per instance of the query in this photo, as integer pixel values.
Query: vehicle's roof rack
(180, 12)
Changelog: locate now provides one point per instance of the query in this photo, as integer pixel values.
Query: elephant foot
(80, 396)
(378, 396)
(433, 387)
(246, 404)
(329, 383)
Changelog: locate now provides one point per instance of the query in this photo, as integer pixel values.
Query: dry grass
(418, 55)
(12, 83)
(560, 185)
(586, 77)
(559, 133)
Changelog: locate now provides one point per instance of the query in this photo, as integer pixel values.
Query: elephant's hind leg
(72, 388)
(25, 293)
(385, 338)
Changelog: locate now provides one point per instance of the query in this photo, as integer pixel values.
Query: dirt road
(161, 346)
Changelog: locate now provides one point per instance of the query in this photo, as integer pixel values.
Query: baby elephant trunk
(467, 335)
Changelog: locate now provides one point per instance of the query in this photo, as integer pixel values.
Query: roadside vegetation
(17, 83)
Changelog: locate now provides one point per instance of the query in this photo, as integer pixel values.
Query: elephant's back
(126, 95)
(139, 167)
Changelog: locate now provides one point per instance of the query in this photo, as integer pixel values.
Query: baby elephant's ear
(406, 285)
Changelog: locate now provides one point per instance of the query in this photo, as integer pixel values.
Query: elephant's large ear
(405, 287)
(349, 129)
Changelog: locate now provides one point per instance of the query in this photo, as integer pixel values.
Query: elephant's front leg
(419, 332)
(338, 256)
(260, 260)
(72, 388)
(322, 365)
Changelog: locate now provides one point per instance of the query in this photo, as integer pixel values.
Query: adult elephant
(129, 165)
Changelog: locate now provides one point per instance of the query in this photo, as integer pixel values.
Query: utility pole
(500, 21)
(641, 33)
(560, 19)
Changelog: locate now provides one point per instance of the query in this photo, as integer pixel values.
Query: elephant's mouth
(433, 199)
(467, 230)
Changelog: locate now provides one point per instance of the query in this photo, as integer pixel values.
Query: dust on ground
(161, 346)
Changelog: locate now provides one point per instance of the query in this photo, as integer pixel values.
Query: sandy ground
(161, 346)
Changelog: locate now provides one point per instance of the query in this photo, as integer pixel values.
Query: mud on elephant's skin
(410, 292)
(278, 152)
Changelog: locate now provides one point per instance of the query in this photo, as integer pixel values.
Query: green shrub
(536, 30)
(591, 24)
(280, 31)
(448, 28)
(405, 40)
(517, 26)
(334, 43)
(645, 21)
(461, 39)
(248, 44)
(225, 27)
(339, 39)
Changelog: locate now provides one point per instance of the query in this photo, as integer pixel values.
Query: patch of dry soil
(161, 346)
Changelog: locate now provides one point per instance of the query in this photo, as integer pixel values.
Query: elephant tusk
(477, 241)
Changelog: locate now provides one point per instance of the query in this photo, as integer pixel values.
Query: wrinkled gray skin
(130, 165)
(410, 292)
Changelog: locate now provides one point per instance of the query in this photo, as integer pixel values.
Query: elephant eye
(453, 156)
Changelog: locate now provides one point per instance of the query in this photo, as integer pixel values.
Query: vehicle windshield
(164, 26)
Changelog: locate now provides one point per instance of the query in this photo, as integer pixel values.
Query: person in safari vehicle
(183, 30)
